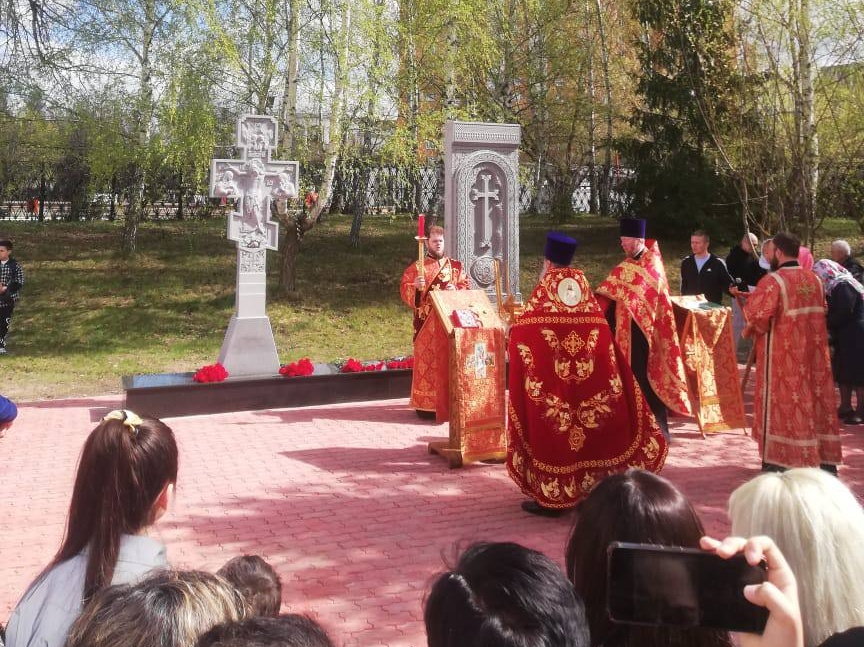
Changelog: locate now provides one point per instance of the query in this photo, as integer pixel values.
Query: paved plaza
(343, 500)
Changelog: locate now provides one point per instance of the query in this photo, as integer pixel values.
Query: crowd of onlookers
(110, 585)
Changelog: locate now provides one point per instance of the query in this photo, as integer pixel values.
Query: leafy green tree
(688, 85)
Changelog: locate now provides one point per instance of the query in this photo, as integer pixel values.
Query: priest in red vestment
(439, 273)
(635, 297)
(794, 420)
(575, 411)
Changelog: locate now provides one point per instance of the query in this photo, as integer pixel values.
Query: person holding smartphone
(779, 593)
(639, 507)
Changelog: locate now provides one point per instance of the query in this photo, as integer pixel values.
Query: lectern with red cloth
(705, 332)
(465, 337)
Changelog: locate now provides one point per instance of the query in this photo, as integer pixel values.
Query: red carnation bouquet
(211, 373)
(351, 366)
(300, 368)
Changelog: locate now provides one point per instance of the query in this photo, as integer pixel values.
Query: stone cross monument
(253, 182)
(481, 201)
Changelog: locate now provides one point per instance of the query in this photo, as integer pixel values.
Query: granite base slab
(167, 395)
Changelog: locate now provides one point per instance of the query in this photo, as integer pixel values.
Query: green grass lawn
(88, 316)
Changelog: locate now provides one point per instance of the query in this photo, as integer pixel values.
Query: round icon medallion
(569, 291)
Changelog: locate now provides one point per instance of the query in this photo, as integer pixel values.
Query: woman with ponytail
(125, 480)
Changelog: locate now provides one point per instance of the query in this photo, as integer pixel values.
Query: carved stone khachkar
(481, 201)
(253, 182)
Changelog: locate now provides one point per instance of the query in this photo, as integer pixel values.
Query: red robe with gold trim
(641, 292)
(439, 276)
(575, 411)
(794, 420)
(428, 348)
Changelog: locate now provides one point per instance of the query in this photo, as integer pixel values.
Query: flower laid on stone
(300, 368)
(403, 363)
(211, 373)
(351, 366)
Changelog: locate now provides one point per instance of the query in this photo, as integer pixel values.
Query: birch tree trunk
(593, 199)
(808, 141)
(289, 93)
(142, 126)
(337, 108)
(606, 184)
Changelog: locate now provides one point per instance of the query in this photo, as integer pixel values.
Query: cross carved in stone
(486, 195)
(254, 181)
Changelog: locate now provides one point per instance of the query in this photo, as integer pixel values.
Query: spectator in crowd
(767, 254)
(743, 264)
(704, 273)
(125, 481)
(289, 630)
(841, 253)
(167, 609)
(845, 298)
(819, 525)
(641, 507)
(850, 638)
(779, 593)
(504, 595)
(805, 257)
(11, 282)
(258, 583)
(8, 413)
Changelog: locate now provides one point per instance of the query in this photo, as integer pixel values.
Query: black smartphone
(682, 587)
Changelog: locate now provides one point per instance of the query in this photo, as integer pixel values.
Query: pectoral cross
(485, 195)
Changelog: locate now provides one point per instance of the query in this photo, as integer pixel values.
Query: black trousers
(5, 317)
(639, 364)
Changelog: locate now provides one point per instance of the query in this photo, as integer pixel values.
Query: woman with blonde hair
(168, 609)
(819, 525)
(125, 480)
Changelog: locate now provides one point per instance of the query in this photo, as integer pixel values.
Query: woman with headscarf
(845, 298)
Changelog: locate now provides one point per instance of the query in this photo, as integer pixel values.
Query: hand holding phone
(779, 594)
(682, 587)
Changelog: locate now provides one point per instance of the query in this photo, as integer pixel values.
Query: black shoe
(843, 412)
(535, 508)
(771, 467)
(852, 419)
(831, 469)
(425, 415)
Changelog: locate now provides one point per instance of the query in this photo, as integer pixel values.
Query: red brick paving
(343, 500)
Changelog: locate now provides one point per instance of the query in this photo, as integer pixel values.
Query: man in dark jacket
(704, 273)
(743, 265)
(11, 281)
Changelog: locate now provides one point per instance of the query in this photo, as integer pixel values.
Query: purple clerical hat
(559, 248)
(632, 227)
